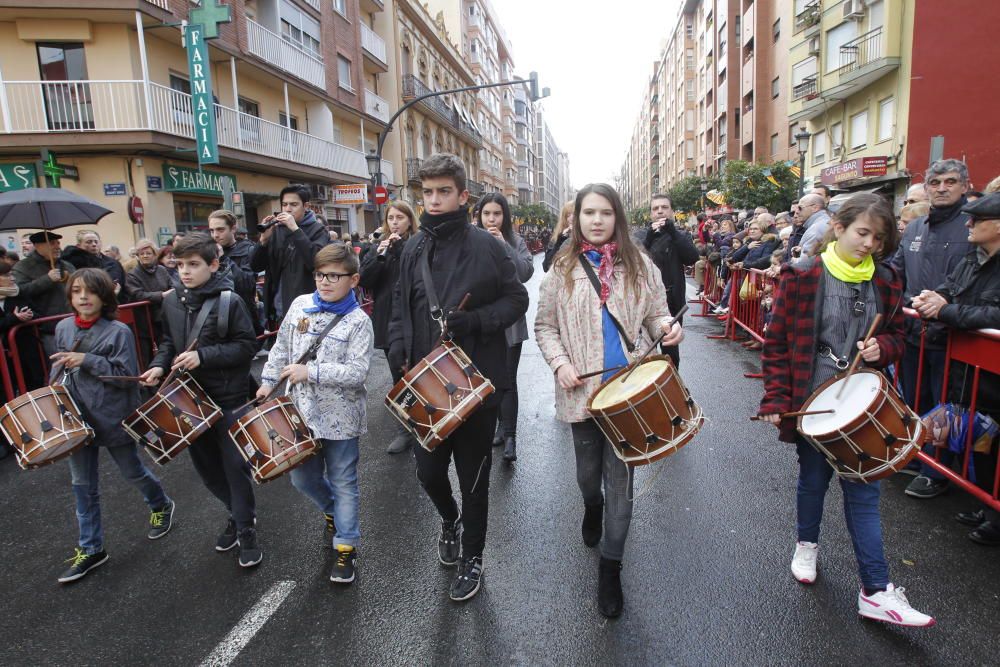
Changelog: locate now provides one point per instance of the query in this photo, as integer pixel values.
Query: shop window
(191, 215)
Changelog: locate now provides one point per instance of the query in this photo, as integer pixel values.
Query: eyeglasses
(330, 277)
(950, 182)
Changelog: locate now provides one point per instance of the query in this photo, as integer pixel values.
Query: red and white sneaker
(804, 562)
(891, 606)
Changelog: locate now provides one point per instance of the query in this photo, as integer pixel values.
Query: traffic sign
(381, 194)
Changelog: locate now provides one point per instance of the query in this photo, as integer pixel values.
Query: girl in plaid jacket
(808, 339)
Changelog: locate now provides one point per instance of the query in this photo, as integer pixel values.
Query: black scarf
(444, 225)
(938, 215)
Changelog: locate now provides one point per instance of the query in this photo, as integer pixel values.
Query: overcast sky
(596, 58)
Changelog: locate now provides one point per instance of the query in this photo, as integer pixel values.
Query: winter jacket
(552, 250)
(816, 227)
(760, 257)
(469, 261)
(379, 274)
(238, 257)
(225, 361)
(524, 265)
(789, 354)
(973, 295)
(144, 284)
(333, 402)
(49, 298)
(81, 259)
(671, 250)
(287, 261)
(569, 326)
(109, 350)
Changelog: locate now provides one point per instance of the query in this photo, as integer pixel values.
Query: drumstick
(172, 373)
(656, 341)
(121, 378)
(806, 413)
(857, 357)
(444, 323)
(59, 367)
(600, 372)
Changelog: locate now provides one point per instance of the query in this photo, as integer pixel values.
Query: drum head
(862, 389)
(616, 391)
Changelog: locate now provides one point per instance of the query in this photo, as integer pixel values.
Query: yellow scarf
(843, 271)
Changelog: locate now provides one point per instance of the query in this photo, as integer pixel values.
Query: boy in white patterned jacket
(329, 392)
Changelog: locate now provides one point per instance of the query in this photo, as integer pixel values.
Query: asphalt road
(706, 569)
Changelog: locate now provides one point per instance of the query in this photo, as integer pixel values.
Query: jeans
(224, 471)
(471, 446)
(596, 462)
(861, 513)
(84, 474)
(330, 479)
(930, 393)
(508, 398)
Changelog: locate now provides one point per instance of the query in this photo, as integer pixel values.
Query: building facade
(551, 167)
(299, 97)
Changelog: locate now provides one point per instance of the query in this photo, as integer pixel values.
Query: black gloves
(461, 323)
(397, 356)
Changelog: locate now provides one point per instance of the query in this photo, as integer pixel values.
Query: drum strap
(199, 322)
(589, 270)
(425, 275)
(310, 352)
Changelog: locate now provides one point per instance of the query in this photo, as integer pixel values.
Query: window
(300, 29)
(67, 105)
(291, 122)
(835, 39)
(249, 121)
(819, 147)
(886, 118)
(190, 215)
(341, 7)
(774, 144)
(775, 87)
(792, 131)
(837, 136)
(344, 73)
(859, 130)
(776, 30)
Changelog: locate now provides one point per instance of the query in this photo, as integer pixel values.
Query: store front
(866, 174)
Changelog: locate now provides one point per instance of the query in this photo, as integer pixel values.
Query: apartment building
(765, 132)
(551, 167)
(299, 97)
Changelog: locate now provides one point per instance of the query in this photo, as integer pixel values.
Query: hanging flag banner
(202, 106)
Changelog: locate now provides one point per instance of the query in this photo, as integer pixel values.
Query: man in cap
(40, 277)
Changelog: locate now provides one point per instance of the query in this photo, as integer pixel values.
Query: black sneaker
(331, 527)
(450, 542)
(250, 553)
(469, 579)
(227, 540)
(974, 519)
(924, 487)
(81, 563)
(160, 521)
(912, 468)
(343, 569)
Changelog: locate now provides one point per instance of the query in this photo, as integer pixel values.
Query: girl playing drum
(572, 315)
(819, 315)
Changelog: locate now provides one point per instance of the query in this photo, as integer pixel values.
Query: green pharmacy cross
(55, 172)
(210, 15)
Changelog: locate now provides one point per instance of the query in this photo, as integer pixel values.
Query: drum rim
(883, 383)
(658, 382)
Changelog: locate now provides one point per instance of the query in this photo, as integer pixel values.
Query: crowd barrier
(748, 305)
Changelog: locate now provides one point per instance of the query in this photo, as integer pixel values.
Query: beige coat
(568, 327)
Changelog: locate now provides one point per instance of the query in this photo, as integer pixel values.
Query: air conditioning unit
(837, 151)
(319, 192)
(814, 45)
(854, 9)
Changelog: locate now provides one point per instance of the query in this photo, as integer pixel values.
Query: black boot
(498, 435)
(593, 516)
(510, 449)
(609, 588)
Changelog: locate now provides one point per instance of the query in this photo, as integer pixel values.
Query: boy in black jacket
(221, 365)
(462, 259)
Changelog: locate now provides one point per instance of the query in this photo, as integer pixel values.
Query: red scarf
(607, 266)
(84, 324)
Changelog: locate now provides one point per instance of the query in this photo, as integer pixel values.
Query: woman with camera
(379, 273)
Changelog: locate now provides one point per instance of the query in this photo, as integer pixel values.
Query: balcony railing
(808, 16)
(475, 188)
(805, 89)
(162, 4)
(414, 87)
(121, 106)
(284, 55)
(413, 169)
(373, 44)
(376, 106)
(315, 5)
(861, 51)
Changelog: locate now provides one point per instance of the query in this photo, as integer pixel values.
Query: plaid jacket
(789, 353)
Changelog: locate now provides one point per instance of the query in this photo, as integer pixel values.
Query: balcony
(864, 59)
(162, 4)
(413, 170)
(749, 24)
(809, 16)
(475, 24)
(60, 107)
(805, 90)
(284, 55)
(747, 127)
(414, 87)
(376, 106)
(315, 5)
(475, 188)
(371, 6)
(373, 49)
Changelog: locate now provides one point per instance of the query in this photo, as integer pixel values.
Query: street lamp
(704, 189)
(802, 138)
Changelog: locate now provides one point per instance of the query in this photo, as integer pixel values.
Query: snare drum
(648, 416)
(44, 426)
(438, 394)
(871, 432)
(273, 438)
(178, 413)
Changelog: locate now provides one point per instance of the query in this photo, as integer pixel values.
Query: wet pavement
(706, 575)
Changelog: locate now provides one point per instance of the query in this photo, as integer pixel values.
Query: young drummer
(329, 391)
(816, 311)
(626, 309)
(203, 307)
(460, 259)
(104, 347)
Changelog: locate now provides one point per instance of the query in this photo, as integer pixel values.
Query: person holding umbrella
(40, 277)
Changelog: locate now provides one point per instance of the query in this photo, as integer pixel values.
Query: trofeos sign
(204, 182)
(351, 194)
(17, 176)
(865, 167)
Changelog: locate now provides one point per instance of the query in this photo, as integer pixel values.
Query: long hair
(628, 255)
(99, 283)
(877, 208)
(507, 226)
(405, 209)
(564, 214)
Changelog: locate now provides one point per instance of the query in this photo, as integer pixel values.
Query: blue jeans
(84, 474)
(330, 479)
(861, 513)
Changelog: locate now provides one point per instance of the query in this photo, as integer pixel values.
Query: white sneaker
(804, 562)
(891, 606)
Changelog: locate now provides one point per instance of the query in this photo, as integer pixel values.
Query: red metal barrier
(711, 291)
(746, 301)
(8, 385)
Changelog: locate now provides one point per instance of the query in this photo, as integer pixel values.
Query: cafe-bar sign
(195, 181)
(865, 167)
